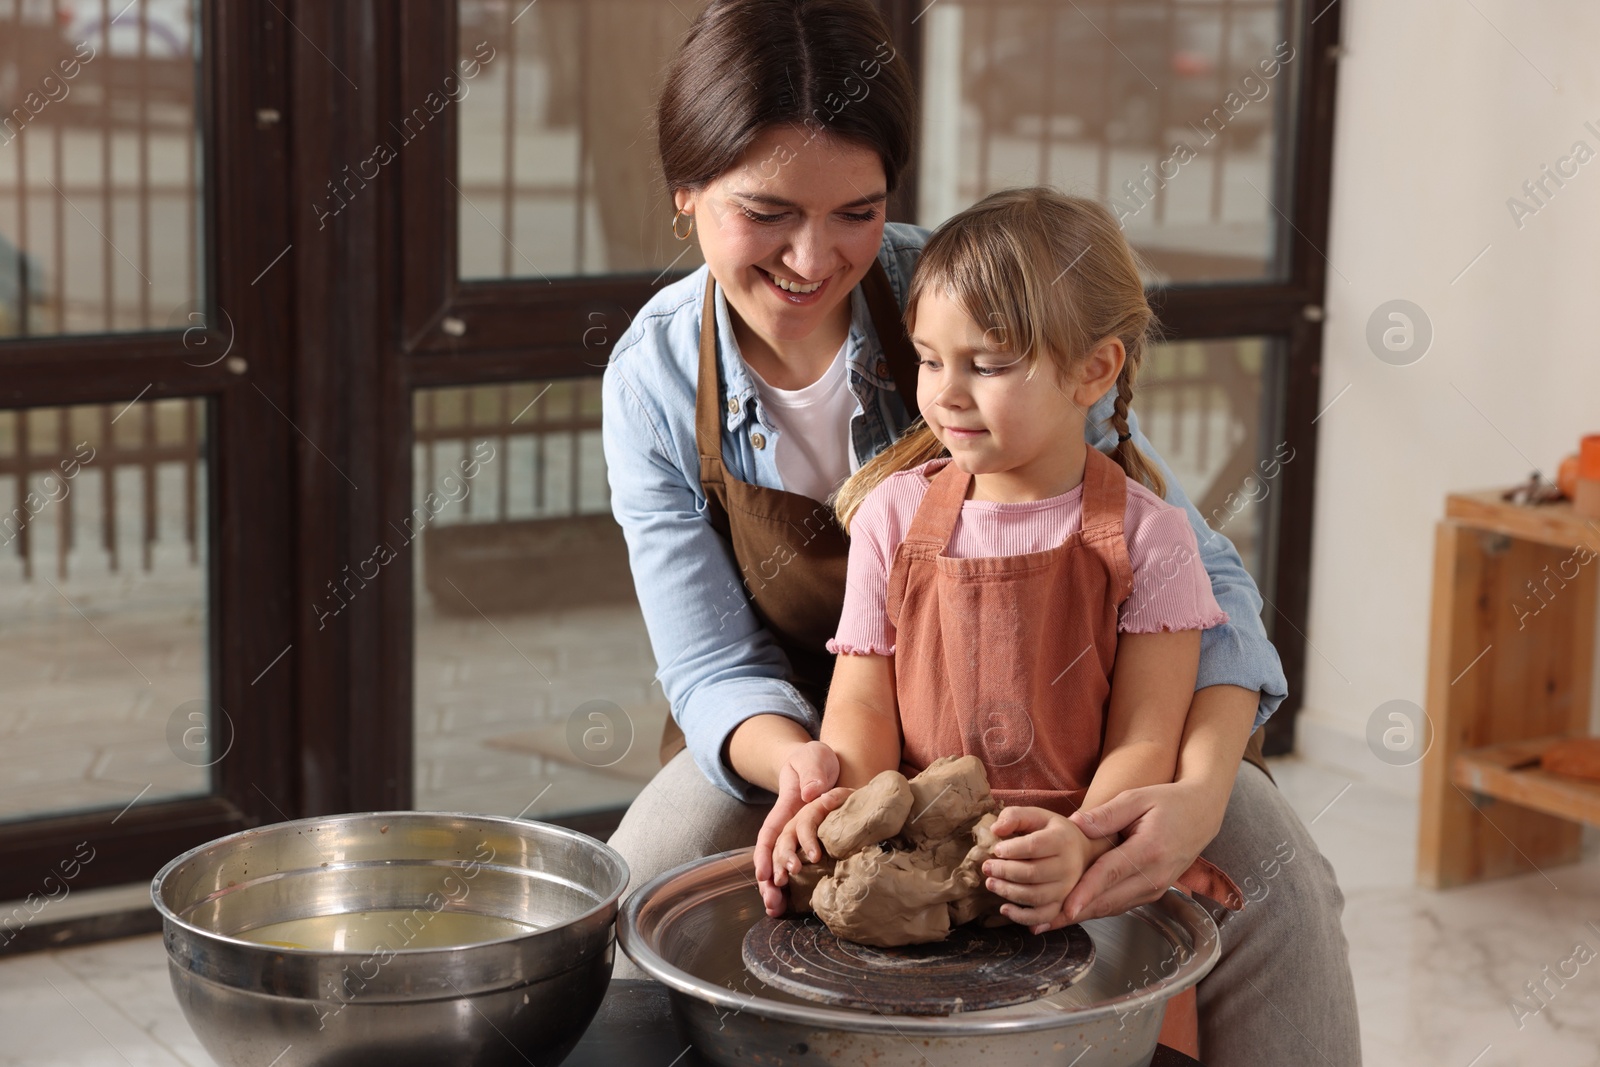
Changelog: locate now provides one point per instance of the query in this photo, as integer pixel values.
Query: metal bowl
(416, 879)
(685, 929)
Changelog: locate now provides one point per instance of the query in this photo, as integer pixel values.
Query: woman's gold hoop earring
(682, 236)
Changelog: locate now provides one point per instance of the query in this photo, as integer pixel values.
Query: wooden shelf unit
(1510, 672)
(1511, 772)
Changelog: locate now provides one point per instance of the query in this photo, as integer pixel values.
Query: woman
(740, 398)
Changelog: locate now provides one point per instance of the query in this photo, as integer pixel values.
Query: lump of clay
(976, 902)
(909, 857)
(885, 898)
(947, 798)
(803, 883)
(871, 814)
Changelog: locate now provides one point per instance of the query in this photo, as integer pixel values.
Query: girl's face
(790, 229)
(1026, 433)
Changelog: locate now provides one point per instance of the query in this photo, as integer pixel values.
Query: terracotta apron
(1009, 658)
(801, 601)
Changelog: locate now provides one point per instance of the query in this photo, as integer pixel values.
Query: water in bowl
(396, 929)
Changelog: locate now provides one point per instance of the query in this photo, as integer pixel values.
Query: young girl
(1013, 593)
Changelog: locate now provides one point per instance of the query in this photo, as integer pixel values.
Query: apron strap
(1105, 507)
(708, 419)
(931, 527)
(708, 392)
(1207, 879)
(889, 322)
(935, 518)
(1105, 494)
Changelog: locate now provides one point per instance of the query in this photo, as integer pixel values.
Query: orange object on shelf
(1567, 476)
(1589, 457)
(1577, 757)
(1586, 494)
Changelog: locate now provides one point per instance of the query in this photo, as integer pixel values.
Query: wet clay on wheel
(906, 857)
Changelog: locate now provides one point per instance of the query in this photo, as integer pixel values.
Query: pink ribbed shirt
(1171, 590)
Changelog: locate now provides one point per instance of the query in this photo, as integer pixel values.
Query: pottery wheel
(970, 970)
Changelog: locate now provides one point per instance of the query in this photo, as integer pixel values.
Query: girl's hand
(808, 771)
(1164, 827)
(1036, 866)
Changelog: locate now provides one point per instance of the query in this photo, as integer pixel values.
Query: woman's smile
(793, 292)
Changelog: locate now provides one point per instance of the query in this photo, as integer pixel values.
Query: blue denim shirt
(717, 664)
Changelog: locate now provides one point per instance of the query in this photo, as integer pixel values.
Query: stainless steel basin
(395, 990)
(685, 929)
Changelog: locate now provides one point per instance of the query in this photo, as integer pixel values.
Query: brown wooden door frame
(337, 93)
(250, 526)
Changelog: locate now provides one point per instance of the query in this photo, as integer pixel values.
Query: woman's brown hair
(1049, 276)
(824, 66)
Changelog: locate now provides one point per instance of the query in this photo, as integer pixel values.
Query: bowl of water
(391, 937)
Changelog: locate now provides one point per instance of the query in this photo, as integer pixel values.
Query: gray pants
(1281, 993)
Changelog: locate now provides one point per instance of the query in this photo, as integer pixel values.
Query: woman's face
(790, 229)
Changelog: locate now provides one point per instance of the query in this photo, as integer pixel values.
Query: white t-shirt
(813, 440)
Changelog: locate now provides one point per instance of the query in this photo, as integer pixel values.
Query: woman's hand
(1163, 827)
(806, 771)
(1036, 866)
(797, 844)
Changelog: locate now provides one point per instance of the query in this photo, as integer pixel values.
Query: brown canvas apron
(1009, 658)
(789, 548)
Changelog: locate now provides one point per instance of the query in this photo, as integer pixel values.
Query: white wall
(1445, 108)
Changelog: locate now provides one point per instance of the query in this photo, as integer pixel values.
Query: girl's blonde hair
(1046, 274)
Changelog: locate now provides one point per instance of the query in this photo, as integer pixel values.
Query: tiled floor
(96, 667)
(1437, 974)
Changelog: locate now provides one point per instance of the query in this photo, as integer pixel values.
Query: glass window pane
(1202, 405)
(100, 158)
(535, 682)
(103, 607)
(1171, 111)
(557, 166)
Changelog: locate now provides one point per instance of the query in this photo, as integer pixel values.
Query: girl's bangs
(981, 269)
